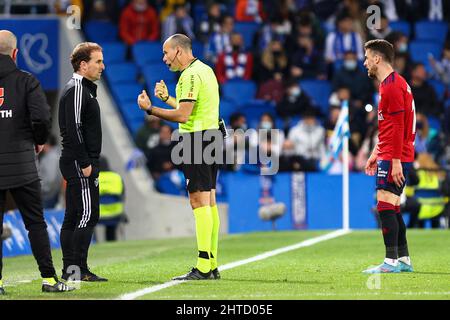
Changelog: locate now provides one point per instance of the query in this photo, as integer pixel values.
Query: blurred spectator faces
(350, 61)
(227, 24)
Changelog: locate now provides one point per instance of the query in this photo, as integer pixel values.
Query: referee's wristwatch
(149, 110)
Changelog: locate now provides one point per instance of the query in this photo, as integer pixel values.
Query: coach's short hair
(382, 47)
(180, 40)
(82, 52)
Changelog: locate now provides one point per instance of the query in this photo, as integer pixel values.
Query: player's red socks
(389, 227)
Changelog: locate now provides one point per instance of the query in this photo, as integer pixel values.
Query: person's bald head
(179, 40)
(177, 50)
(8, 43)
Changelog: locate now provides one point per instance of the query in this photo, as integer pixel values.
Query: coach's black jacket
(24, 122)
(79, 123)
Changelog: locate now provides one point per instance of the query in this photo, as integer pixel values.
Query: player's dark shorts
(384, 177)
(200, 173)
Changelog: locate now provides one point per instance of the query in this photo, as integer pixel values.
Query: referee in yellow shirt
(196, 109)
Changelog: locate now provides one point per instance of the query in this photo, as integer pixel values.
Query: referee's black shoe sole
(194, 274)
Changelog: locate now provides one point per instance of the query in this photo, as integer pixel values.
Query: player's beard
(372, 72)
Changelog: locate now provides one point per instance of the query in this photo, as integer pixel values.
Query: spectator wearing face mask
(267, 133)
(237, 64)
(306, 142)
(295, 101)
(139, 22)
(354, 78)
(273, 60)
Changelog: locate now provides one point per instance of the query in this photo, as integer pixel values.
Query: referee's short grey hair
(180, 40)
(8, 42)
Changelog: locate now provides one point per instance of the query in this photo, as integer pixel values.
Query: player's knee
(386, 196)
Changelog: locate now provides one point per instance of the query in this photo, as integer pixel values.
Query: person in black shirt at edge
(24, 128)
(81, 132)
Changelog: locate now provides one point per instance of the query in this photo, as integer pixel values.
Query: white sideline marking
(265, 255)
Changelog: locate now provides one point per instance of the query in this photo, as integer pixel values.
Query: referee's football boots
(215, 275)
(54, 285)
(194, 274)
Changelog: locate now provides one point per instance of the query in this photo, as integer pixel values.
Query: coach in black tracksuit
(80, 126)
(24, 128)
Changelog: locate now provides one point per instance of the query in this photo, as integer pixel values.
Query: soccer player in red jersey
(392, 157)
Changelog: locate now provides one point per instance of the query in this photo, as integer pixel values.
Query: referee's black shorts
(200, 175)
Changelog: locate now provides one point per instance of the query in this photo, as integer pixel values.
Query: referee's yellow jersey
(198, 83)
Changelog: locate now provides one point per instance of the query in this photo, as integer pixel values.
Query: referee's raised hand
(144, 101)
(161, 91)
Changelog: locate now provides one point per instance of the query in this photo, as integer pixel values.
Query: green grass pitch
(326, 270)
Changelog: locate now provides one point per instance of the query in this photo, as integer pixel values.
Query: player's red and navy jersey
(396, 120)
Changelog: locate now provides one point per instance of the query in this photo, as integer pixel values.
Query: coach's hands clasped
(161, 91)
(144, 101)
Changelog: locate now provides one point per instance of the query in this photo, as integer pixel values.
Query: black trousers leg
(84, 201)
(29, 203)
(67, 229)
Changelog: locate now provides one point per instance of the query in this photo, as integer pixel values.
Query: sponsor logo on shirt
(4, 113)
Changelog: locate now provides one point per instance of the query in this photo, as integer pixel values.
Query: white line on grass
(265, 255)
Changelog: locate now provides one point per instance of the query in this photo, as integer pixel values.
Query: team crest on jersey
(380, 116)
(2, 93)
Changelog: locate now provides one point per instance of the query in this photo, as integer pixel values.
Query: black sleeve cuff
(188, 100)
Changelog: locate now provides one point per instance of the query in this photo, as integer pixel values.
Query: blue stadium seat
(198, 49)
(439, 87)
(401, 26)
(434, 123)
(239, 91)
(121, 72)
(146, 52)
(319, 91)
(226, 109)
(254, 109)
(247, 30)
(126, 92)
(101, 31)
(155, 72)
(431, 31)
(133, 116)
(419, 51)
(113, 52)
